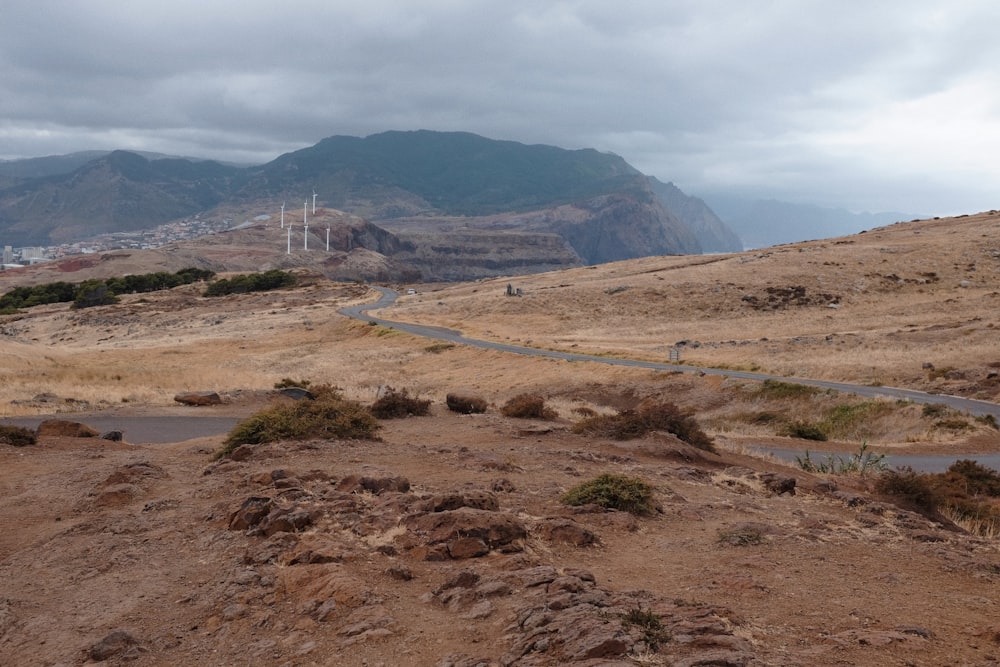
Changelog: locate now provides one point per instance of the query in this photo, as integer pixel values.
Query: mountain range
(458, 206)
(421, 184)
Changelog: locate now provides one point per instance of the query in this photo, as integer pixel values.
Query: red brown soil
(102, 537)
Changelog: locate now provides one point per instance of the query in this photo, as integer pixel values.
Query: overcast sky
(881, 106)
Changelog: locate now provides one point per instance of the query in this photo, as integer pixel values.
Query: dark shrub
(780, 390)
(252, 282)
(761, 418)
(935, 410)
(398, 404)
(96, 292)
(289, 382)
(804, 431)
(909, 488)
(976, 478)
(988, 420)
(466, 404)
(650, 624)
(649, 416)
(953, 424)
(92, 293)
(17, 436)
(628, 494)
(527, 406)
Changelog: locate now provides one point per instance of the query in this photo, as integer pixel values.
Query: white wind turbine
(305, 225)
(314, 201)
(282, 215)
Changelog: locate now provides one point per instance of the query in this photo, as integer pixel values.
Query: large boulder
(198, 398)
(466, 402)
(467, 532)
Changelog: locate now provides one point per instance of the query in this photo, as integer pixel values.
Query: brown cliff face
(472, 254)
(624, 225)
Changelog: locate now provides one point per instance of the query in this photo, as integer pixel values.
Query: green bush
(956, 424)
(804, 431)
(650, 623)
(252, 282)
(779, 390)
(328, 417)
(648, 417)
(760, 418)
(627, 494)
(399, 404)
(527, 406)
(26, 297)
(935, 410)
(852, 420)
(862, 462)
(92, 293)
(17, 436)
(97, 292)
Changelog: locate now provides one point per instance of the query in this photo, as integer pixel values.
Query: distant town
(145, 239)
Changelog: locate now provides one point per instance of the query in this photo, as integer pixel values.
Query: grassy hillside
(456, 173)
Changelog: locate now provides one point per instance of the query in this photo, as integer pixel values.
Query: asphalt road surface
(389, 297)
(141, 430)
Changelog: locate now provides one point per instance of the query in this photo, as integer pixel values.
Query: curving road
(388, 297)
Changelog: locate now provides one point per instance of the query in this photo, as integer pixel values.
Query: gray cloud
(888, 106)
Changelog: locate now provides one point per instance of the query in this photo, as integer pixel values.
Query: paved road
(389, 297)
(919, 462)
(163, 429)
(140, 430)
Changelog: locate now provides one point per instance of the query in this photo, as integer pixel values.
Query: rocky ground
(446, 543)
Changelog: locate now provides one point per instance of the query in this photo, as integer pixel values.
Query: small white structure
(282, 215)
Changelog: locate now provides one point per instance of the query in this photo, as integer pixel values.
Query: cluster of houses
(144, 239)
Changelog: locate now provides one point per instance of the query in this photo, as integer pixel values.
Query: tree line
(98, 292)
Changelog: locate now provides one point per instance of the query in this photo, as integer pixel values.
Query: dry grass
(149, 347)
(890, 320)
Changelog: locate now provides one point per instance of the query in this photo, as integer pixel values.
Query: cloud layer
(873, 106)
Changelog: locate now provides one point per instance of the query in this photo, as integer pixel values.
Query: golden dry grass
(907, 295)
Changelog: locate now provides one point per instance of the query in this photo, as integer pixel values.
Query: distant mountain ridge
(119, 191)
(596, 205)
(453, 173)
